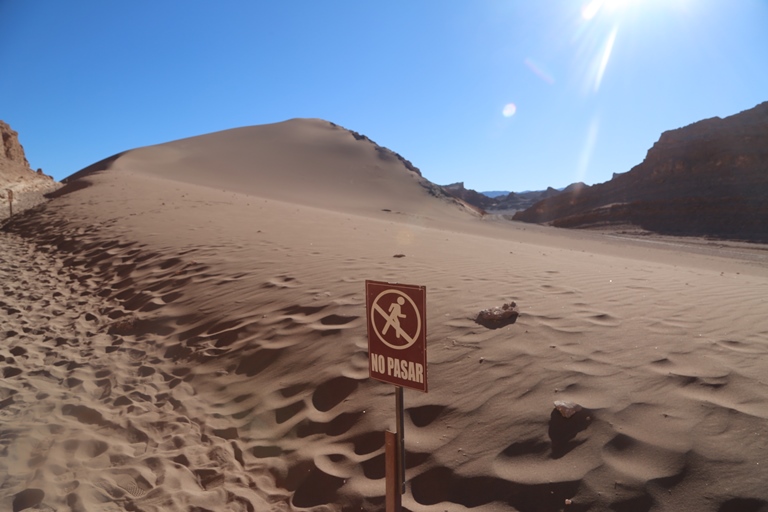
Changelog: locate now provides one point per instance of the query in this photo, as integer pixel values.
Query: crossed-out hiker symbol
(395, 314)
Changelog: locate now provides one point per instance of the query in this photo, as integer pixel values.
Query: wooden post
(392, 470)
(10, 201)
(400, 439)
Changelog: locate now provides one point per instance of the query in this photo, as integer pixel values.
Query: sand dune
(305, 161)
(187, 333)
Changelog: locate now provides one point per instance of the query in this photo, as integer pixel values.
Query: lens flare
(598, 34)
(539, 71)
(603, 63)
(509, 110)
(586, 151)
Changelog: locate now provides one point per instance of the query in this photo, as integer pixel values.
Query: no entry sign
(397, 333)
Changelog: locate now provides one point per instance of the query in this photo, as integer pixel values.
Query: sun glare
(601, 20)
(606, 56)
(590, 9)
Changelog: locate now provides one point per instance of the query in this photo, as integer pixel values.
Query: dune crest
(304, 161)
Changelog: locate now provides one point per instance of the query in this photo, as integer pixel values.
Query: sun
(590, 9)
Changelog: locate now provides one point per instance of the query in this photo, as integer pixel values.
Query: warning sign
(397, 333)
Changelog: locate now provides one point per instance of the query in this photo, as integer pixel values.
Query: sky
(500, 94)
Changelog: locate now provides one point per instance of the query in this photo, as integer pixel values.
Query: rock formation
(470, 196)
(507, 203)
(13, 162)
(522, 200)
(17, 179)
(706, 179)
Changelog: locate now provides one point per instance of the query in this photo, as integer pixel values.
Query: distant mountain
(706, 179)
(506, 203)
(523, 200)
(496, 193)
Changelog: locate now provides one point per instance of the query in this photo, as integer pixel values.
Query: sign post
(391, 471)
(397, 354)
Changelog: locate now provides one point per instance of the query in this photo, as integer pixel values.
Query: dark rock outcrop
(384, 153)
(470, 196)
(706, 179)
(434, 190)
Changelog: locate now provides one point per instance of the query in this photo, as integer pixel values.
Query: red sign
(397, 333)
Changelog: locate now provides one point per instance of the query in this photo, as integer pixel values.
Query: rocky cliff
(17, 179)
(706, 179)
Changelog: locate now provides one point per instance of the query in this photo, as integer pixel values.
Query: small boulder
(498, 316)
(567, 409)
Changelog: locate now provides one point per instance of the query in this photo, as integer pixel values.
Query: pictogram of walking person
(395, 314)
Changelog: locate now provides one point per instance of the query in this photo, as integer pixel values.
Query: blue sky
(503, 95)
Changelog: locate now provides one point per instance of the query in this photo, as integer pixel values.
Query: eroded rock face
(706, 179)
(13, 162)
(17, 179)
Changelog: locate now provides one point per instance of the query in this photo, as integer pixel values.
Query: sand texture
(25, 195)
(183, 329)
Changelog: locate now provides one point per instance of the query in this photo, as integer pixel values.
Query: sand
(183, 329)
(26, 193)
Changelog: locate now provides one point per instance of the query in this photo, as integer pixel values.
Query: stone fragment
(498, 316)
(567, 409)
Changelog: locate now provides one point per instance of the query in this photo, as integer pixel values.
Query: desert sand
(183, 328)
